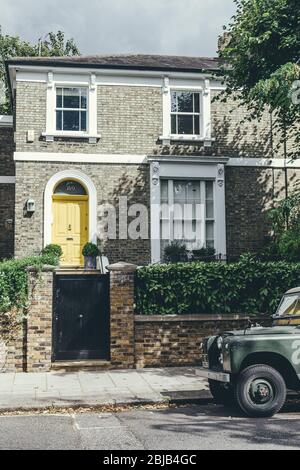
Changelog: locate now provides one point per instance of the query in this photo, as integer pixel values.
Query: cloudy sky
(189, 27)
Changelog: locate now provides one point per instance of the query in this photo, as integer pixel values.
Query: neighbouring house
(88, 132)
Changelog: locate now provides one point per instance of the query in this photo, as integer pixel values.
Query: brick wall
(111, 181)
(7, 167)
(135, 341)
(39, 323)
(7, 201)
(12, 348)
(167, 341)
(129, 120)
(7, 193)
(250, 193)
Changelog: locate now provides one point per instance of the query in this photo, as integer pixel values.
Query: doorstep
(75, 366)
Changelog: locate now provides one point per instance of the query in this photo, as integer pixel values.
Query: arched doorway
(70, 226)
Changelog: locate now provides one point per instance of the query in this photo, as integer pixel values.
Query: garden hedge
(247, 287)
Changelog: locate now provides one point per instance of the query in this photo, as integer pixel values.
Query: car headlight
(220, 342)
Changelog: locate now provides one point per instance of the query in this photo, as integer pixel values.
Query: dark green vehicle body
(226, 355)
(277, 346)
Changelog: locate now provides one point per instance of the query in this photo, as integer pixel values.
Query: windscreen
(289, 307)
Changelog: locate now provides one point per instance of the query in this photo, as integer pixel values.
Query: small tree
(285, 220)
(55, 44)
(261, 57)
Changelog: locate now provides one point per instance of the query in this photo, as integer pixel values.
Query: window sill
(187, 138)
(71, 135)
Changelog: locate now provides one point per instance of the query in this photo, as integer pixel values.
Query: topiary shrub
(52, 249)
(90, 249)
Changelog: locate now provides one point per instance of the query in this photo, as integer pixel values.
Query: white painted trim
(201, 170)
(7, 179)
(113, 72)
(6, 121)
(92, 192)
(89, 83)
(141, 159)
(264, 162)
(80, 158)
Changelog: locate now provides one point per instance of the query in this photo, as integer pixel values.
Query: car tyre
(223, 394)
(260, 391)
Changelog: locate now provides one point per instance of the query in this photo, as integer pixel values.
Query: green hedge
(13, 281)
(248, 286)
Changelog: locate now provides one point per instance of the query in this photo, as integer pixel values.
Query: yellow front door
(70, 227)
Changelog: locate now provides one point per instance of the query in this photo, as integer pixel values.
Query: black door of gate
(81, 316)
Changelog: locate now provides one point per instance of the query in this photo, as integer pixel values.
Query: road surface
(186, 428)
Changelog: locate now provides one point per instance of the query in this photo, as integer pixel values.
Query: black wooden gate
(81, 316)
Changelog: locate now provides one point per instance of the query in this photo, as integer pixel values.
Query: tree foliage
(261, 51)
(54, 44)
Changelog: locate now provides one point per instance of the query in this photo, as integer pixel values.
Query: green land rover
(253, 368)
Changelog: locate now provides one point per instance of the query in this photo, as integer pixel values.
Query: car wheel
(222, 393)
(260, 391)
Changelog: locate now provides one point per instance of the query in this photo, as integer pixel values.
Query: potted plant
(53, 251)
(90, 252)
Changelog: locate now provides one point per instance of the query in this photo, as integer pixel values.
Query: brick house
(88, 130)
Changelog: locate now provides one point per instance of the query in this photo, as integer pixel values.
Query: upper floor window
(71, 109)
(185, 113)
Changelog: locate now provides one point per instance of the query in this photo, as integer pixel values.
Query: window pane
(209, 190)
(59, 120)
(173, 124)
(84, 98)
(196, 125)
(71, 121)
(185, 125)
(71, 97)
(209, 209)
(59, 93)
(209, 231)
(164, 190)
(83, 121)
(70, 187)
(185, 102)
(174, 102)
(196, 103)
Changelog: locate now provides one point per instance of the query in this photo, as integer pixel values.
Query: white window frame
(177, 113)
(205, 112)
(86, 110)
(91, 133)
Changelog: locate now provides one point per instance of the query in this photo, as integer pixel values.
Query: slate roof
(126, 61)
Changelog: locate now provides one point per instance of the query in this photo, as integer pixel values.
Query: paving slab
(38, 390)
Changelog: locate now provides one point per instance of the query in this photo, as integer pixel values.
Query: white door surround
(92, 193)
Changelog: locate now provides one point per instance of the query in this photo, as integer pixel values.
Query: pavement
(29, 391)
(183, 428)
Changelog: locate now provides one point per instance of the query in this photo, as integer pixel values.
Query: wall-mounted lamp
(30, 206)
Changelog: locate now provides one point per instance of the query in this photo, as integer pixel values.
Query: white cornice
(109, 71)
(80, 158)
(264, 162)
(6, 121)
